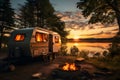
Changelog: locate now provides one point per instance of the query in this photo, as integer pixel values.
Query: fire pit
(70, 71)
(69, 67)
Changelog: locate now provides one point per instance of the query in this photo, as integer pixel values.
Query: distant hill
(93, 40)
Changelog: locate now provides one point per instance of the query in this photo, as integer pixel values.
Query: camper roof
(38, 29)
(47, 30)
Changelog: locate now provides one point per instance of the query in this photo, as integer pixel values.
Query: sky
(79, 27)
(59, 5)
(75, 23)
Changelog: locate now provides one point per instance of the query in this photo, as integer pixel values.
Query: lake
(88, 46)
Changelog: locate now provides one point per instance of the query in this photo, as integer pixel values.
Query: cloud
(91, 27)
(108, 33)
(115, 29)
(75, 21)
(93, 34)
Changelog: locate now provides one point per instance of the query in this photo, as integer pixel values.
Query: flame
(68, 67)
(72, 67)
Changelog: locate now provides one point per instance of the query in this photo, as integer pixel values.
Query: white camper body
(33, 42)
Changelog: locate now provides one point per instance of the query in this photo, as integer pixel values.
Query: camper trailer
(33, 42)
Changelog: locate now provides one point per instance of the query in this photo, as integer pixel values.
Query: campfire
(69, 67)
(70, 71)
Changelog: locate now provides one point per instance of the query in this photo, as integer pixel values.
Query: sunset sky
(75, 23)
(78, 27)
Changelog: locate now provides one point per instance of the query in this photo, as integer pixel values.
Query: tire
(50, 58)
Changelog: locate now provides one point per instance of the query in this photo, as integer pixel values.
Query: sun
(74, 34)
(76, 37)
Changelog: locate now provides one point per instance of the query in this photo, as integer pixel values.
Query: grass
(112, 64)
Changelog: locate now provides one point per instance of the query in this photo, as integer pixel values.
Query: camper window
(56, 39)
(19, 37)
(41, 37)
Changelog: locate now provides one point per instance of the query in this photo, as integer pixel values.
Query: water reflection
(87, 46)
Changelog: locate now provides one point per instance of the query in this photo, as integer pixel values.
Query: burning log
(71, 67)
(79, 60)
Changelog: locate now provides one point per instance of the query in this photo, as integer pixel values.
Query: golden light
(19, 37)
(75, 44)
(76, 37)
(38, 37)
(74, 34)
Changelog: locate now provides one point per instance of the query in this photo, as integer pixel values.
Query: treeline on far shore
(94, 40)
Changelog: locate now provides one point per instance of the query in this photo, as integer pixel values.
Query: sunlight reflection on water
(87, 46)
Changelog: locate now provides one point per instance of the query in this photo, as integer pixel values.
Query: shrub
(84, 54)
(63, 51)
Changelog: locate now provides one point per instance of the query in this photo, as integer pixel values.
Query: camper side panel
(19, 43)
(39, 43)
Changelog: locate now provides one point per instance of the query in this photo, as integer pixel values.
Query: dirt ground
(26, 70)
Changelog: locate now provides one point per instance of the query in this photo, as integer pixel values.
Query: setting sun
(76, 37)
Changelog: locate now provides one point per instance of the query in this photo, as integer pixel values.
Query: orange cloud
(78, 27)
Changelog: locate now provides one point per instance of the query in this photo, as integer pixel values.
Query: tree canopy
(104, 11)
(41, 14)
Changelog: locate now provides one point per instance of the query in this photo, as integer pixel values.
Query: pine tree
(27, 14)
(41, 13)
(6, 17)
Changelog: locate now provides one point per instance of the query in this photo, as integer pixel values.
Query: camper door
(56, 43)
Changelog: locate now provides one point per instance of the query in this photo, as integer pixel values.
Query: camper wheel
(45, 58)
(51, 56)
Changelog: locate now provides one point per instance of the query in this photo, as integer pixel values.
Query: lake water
(87, 46)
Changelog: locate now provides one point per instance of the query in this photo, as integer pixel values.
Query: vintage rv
(33, 42)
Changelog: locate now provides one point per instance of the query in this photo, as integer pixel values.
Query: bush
(63, 51)
(84, 54)
(114, 50)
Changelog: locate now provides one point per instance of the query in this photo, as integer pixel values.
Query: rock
(79, 60)
(11, 67)
(5, 66)
(37, 75)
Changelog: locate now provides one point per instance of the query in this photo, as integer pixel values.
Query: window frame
(21, 40)
(42, 34)
(57, 39)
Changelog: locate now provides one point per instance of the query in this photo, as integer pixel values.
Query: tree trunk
(117, 11)
(118, 21)
(115, 6)
(1, 36)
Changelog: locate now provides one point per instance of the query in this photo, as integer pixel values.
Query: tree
(6, 17)
(104, 11)
(55, 24)
(41, 13)
(35, 12)
(26, 15)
